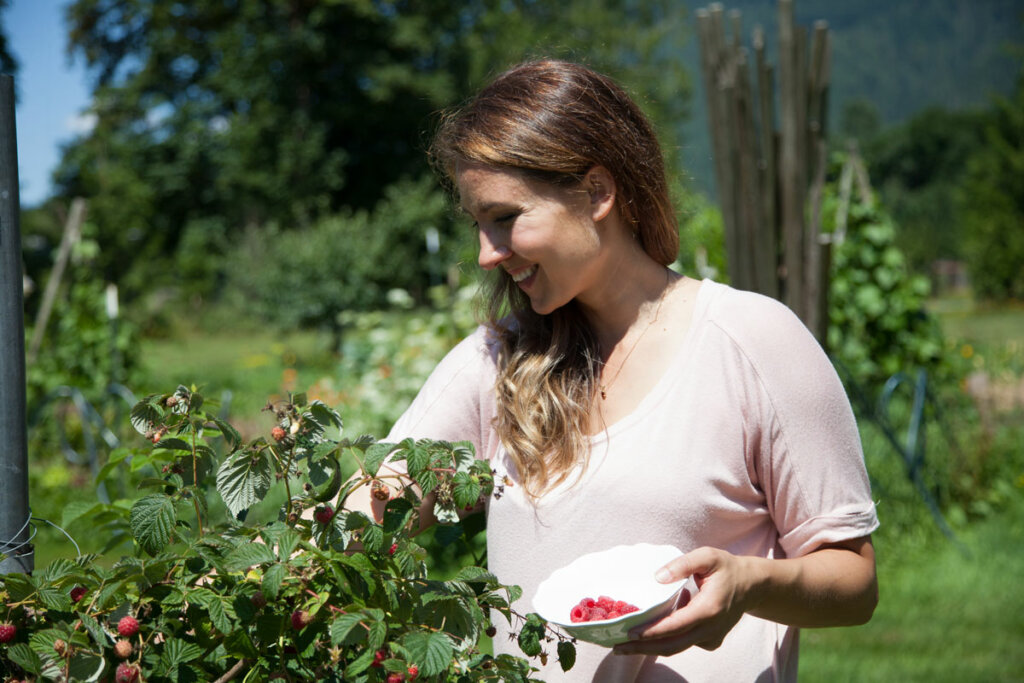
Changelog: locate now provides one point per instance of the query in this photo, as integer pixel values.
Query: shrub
(332, 596)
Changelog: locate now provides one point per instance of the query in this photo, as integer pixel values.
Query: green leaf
(172, 443)
(229, 433)
(152, 520)
(177, 651)
(272, 578)
(342, 625)
(243, 479)
(375, 456)
(531, 634)
(396, 515)
(22, 655)
(464, 455)
(145, 415)
(475, 574)
(566, 654)
(466, 491)
(287, 541)
(247, 555)
(445, 514)
(431, 651)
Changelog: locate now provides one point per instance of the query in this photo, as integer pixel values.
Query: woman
(626, 403)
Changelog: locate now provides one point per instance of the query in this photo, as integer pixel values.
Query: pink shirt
(747, 443)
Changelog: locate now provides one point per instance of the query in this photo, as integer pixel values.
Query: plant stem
(195, 483)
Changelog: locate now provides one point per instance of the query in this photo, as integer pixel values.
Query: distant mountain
(901, 55)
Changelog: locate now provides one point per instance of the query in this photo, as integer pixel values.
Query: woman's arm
(834, 585)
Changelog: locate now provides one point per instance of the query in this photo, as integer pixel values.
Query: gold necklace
(603, 388)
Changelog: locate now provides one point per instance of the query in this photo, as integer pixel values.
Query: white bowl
(625, 572)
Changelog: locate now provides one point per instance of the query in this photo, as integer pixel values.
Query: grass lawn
(941, 616)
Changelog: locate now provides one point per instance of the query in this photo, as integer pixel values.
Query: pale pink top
(747, 443)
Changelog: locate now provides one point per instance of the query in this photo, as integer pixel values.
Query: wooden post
(770, 179)
(15, 523)
(72, 233)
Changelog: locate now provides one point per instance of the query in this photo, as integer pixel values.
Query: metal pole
(16, 553)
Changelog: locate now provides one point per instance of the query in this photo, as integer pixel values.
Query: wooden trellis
(769, 177)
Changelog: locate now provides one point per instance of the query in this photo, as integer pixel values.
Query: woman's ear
(601, 187)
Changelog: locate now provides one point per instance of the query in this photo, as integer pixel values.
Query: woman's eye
(506, 218)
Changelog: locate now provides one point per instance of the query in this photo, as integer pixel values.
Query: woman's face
(549, 239)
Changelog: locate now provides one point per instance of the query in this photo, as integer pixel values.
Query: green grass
(963, 319)
(942, 616)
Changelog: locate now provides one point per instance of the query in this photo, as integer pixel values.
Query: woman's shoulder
(755, 322)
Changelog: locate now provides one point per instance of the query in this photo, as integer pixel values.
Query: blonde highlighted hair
(553, 121)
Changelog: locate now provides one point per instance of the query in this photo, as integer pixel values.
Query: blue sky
(53, 93)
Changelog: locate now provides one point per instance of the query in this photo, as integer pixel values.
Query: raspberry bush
(309, 596)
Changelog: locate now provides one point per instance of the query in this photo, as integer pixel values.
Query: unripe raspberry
(7, 632)
(300, 619)
(259, 600)
(128, 626)
(324, 514)
(278, 433)
(172, 401)
(123, 649)
(60, 647)
(379, 490)
(78, 592)
(126, 673)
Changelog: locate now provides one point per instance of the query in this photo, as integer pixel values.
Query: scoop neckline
(662, 385)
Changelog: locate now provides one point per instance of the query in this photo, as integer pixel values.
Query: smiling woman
(622, 403)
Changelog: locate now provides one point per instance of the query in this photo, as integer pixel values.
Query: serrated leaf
(22, 655)
(464, 455)
(431, 651)
(53, 597)
(173, 443)
(177, 651)
(99, 636)
(375, 456)
(152, 520)
(145, 415)
(396, 515)
(445, 513)
(229, 433)
(466, 491)
(342, 625)
(287, 541)
(86, 666)
(476, 574)
(566, 654)
(272, 578)
(247, 555)
(359, 664)
(243, 479)
(373, 538)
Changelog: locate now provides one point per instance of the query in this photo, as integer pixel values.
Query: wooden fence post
(770, 179)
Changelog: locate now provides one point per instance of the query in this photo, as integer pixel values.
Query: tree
(992, 199)
(284, 111)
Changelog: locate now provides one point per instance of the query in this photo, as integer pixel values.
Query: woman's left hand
(724, 581)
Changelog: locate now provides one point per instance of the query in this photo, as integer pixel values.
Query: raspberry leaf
(430, 650)
(566, 654)
(152, 518)
(243, 479)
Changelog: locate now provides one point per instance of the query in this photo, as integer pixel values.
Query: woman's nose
(492, 251)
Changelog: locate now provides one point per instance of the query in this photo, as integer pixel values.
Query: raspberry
(395, 678)
(258, 600)
(604, 602)
(597, 614)
(393, 549)
(123, 649)
(413, 672)
(300, 619)
(380, 490)
(128, 626)
(7, 632)
(278, 433)
(614, 614)
(78, 592)
(578, 614)
(324, 514)
(491, 631)
(604, 607)
(378, 657)
(126, 673)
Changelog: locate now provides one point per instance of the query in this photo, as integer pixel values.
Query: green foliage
(309, 277)
(878, 324)
(331, 596)
(993, 203)
(702, 239)
(296, 113)
(81, 346)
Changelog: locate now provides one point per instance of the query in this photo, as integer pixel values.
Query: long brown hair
(553, 121)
